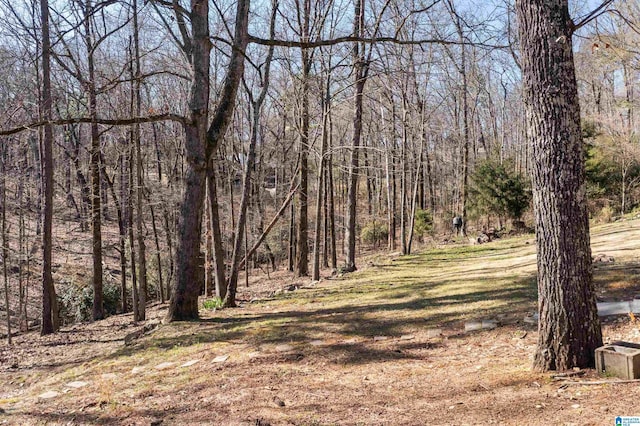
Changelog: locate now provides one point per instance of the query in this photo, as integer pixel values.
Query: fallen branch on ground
(568, 374)
(604, 382)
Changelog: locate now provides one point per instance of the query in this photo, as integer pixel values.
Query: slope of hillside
(385, 345)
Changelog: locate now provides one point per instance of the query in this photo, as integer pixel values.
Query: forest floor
(383, 346)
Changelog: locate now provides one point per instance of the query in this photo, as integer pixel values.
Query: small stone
(489, 324)
(136, 370)
(49, 395)
(379, 338)
(434, 332)
(575, 406)
(279, 402)
(77, 384)
(539, 407)
(350, 341)
(190, 363)
(165, 365)
(284, 348)
(109, 376)
(220, 358)
(407, 337)
(316, 343)
(472, 326)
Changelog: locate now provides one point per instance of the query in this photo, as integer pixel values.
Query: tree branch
(368, 40)
(594, 14)
(106, 121)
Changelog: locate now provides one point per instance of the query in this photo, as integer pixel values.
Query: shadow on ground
(348, 318)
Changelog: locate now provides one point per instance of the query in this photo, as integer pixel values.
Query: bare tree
(49, 302)
(256, 106)
(202, 139)
(5, 242)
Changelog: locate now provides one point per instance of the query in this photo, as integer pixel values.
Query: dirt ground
(383, 346)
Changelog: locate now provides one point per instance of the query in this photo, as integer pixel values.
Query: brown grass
(361, 349)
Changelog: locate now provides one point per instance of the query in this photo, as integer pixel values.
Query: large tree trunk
(142, 255)
(352, 193)
(200, 143)
(302, 240)
(184, 300)
(96, 199)
(465, 122)
(569, 329)
(49, 305)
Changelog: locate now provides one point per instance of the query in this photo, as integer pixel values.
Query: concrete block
(619, 359)
(614, 308)
(480, 325)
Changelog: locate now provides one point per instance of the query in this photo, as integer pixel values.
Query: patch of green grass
(213, 304)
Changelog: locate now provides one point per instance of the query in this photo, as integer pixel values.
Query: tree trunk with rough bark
(49, 305)
(352, 192)
(302, 240)
(569, 328)
(96, 199)
(200, 143)
(189, 279)
(142, 250)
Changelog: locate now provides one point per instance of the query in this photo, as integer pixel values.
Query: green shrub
(211, 304)
(76, 301)
(423, 222)
(496, 189)
(373, 233)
